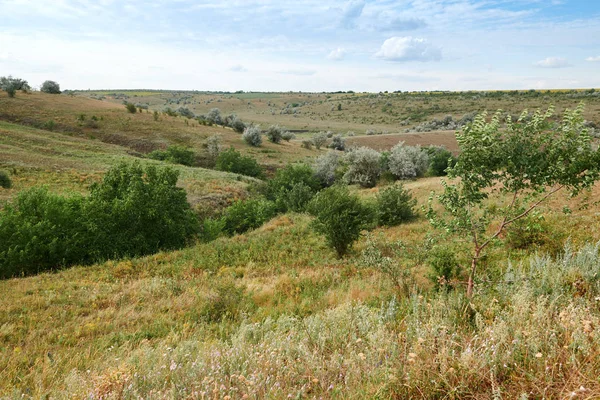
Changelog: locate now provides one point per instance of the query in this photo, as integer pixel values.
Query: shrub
(395, 205)
(293, 187)
(185, 112)
(444, 268)
(340, 217)
(338, 143)
(138, 210)
(326, 168)
(244, 215)
(40, 231)
(131, 108)
(319, 139)
(252, 135)
(5, 181)
(407, 162)
(307, 144)
(238, 125)
(133, 211)
(213, 147)
(155, 115)
(211, 229)
(51, 87)
(175, 154)
(439, 160)
(232, 160)
(214, 116)
(287, 136)
(274, 134)
(8, 82)
(11, 91)
(364, 167)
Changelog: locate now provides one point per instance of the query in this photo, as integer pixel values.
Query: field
(273, 313)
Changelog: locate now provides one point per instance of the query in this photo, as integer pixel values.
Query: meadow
(273, 312)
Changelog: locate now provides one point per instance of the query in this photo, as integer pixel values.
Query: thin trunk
(471, 283)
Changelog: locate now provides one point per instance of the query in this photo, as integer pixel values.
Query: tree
(50, 87)
(275, 134)
(517, 168)
(364, 167)
(11, 85)
(252, 135)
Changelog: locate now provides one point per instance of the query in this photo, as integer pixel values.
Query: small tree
(5, 181)
(340, 217)
(326, 168)
(51, 87)
(395, 205)
(407, 162)
(232, 160)
(213, 147)
(287, 136)
(11, 85)
(252, 135)
(519, 167)
(338, 143)
(214, 116)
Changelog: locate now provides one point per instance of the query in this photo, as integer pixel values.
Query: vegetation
(395, 205)
(529, 161)
(439, 160)
(274, 134)
(5, 181)
(252, 135)
(244, 215)
(232, 160)
(407, 162)
(340, 217)
(319, 139)
(131, 108)
(364, 167)
(118, 219)
(50, 87)
(175, 154)
(293, 187)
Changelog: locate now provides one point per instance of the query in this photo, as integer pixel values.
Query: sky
(302, 45)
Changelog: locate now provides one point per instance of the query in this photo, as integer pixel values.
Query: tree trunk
(471, 283)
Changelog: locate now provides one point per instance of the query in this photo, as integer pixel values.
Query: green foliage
(444, 267)
(11, 91)
(232, 160)
(293, 187)
(439, 160)
(211, 229)
(252, 135)
(395, 205)
(5, 181)
(40, 231)
(137, 210)
(364, 167)
(131, 108)
(244, 215)
(175, 154)
(132, 212)
(155, 115)
(340, 217)
(225, 302)
(525, 163)
(50, 87)
(11, 85)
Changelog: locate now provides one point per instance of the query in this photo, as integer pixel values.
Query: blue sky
(311, 45)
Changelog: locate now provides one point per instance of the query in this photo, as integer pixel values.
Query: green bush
(395, 205)
(340, 217)
(244, 215)
(132, 212)
(439, 160)
(40, 231)
(11, 91)
(131, 108)
(444, 268)
(175, 154)
(5, 181)
(293, 187)
(50, 87)
(232, 160)
(274, 134)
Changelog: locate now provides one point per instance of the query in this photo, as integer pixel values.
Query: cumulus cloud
(408, 49)
(337, 54)
(593, 59)
(350, 13)
(553, 62)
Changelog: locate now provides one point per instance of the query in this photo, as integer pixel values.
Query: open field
(273, 313)
(389, 112)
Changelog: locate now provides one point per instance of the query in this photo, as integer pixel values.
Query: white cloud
(402, 24)
(337, 54)
(553, 62)
(593, 59)
(408, 49)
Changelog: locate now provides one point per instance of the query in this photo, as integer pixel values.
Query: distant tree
(214, 116)
(252, 135)
(131, 108)
(319, 139)
(274, 134)
(51, 87)
(338, 143)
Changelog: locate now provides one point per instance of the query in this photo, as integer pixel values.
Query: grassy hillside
(273, 313)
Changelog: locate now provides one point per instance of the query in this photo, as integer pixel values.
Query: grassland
(273, 313)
